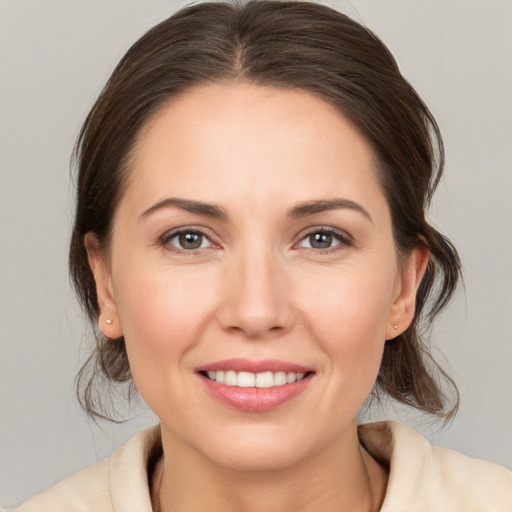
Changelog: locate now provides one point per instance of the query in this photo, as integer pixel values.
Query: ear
(402, 311)
(108, 320)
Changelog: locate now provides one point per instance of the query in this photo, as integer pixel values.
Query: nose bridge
(256, 301)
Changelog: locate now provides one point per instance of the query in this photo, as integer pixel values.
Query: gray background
(54, 59)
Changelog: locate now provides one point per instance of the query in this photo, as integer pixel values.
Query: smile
(255, 386)
(254, 380)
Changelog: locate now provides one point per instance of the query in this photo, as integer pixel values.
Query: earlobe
(108, 320)
(403, 308)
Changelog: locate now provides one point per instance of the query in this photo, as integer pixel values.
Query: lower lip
(256, 399)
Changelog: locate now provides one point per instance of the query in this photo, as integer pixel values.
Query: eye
(187, 240)
(323, 239)
(319, 241)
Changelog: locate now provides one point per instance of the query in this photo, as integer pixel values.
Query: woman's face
(253, 274)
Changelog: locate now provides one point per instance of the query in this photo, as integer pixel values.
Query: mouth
(255, 386)
(261, 380)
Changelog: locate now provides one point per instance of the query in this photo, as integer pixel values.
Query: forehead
(219, 141)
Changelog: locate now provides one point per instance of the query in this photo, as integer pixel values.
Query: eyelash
(167, 237)
(344, 239)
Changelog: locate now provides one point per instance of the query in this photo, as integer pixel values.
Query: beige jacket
(422, 478)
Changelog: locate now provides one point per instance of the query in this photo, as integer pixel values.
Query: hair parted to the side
(294, 45)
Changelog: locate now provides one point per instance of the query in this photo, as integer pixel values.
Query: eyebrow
(312, 207)
(301, 210)
(210, 210)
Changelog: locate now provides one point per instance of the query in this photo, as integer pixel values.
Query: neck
(342, 477)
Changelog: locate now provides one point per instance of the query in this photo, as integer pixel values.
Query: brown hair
(297, 45)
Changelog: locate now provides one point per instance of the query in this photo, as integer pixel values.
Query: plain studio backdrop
(55, 56)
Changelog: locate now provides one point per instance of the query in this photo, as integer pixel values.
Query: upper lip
(249, 365)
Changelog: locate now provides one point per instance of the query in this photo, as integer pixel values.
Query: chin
(257, 449)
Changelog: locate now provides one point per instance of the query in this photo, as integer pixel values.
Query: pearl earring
(396, 326)
(108, 321)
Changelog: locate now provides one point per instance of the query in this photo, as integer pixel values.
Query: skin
(257, 288)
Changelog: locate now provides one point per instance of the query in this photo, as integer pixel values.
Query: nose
(256, 298)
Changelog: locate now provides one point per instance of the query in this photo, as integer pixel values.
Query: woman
(250, 240)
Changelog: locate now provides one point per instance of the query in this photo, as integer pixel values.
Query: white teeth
(251, 380)
(230, 378)
(279, 378)
(246, 380)
(264, 380)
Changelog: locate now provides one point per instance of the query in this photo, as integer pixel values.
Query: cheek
(162, 312)
(349, 301)
(348, 316)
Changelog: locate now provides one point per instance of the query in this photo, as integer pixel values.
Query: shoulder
(423, 477)
(114, 484)
(84, 491)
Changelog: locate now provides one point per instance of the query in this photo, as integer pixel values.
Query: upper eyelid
(187, 229)
(165, 238)
(343, 235)
(164, 241)
(346, 241)
(326, 229)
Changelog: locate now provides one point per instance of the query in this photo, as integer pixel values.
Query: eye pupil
(190, 240)
(320, 240)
